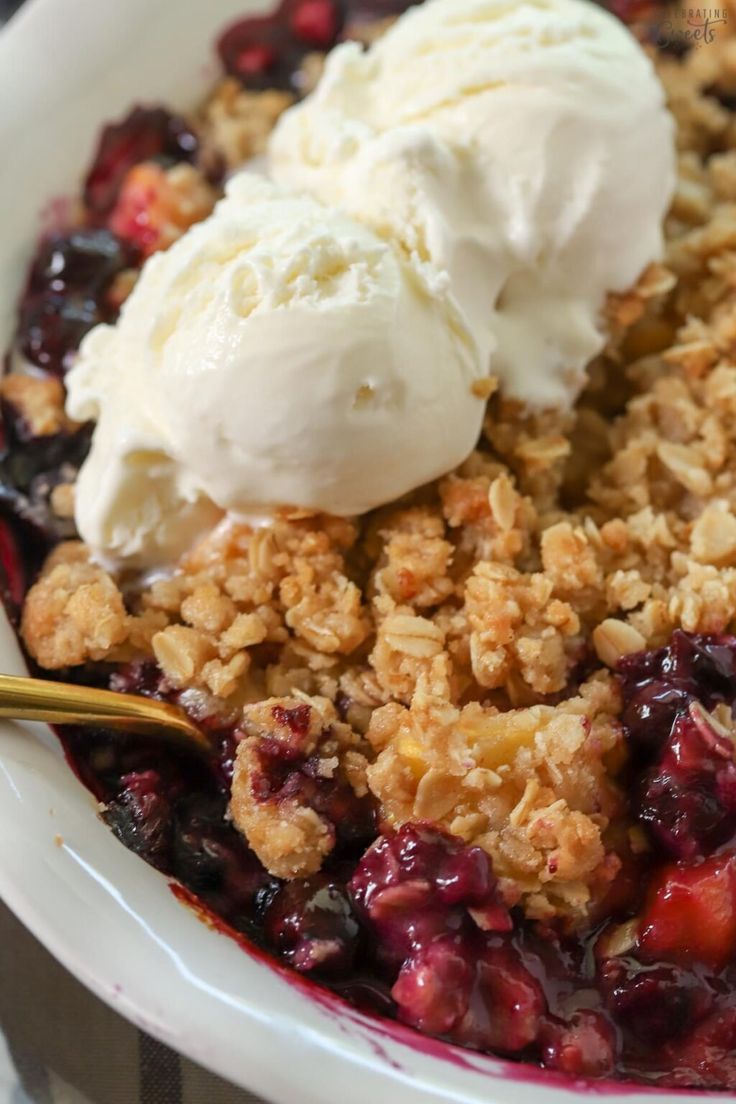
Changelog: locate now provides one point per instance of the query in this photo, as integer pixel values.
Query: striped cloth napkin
(61, 1045)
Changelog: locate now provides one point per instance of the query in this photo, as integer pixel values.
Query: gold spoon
(31, 699)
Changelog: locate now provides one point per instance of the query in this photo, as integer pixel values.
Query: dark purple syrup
(267, 52)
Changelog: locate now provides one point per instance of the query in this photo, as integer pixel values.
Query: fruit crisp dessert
(463, 639)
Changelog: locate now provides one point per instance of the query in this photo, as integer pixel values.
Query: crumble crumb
(238, 123)
(516, 623)
(484, 388)
(614, 639)
(39, 400)
(274, 803)
(74, 612)
(415, 559)
(405, 646)
(62, 500)
(182, 653)
(529, 786)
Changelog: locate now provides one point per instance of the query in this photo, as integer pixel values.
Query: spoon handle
(30, 699)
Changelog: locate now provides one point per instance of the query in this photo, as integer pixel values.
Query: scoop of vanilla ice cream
(523, 148)
(279, 353)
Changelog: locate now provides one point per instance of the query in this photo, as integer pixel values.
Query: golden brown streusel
(406, 644)
(529, 786)
(516, 624)
(238, 123)
(440, 625)
(289, 837)
(416, 537)
(62, 500)
(39, 400)
(75, 612)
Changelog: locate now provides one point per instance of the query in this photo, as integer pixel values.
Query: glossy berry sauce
(408, 924)
(267, 52)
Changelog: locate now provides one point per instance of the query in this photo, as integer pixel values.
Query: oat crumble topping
(452, 651)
